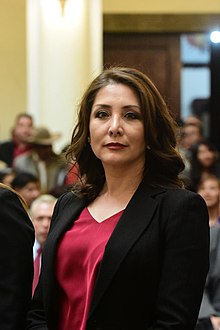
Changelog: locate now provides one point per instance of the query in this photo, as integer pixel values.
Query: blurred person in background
(41, 211)
(16, 259)
(49, 167)
(27, 185)
(209, 189)
(209, 314)
(7, 175)
(204, 162)
(22, 129)
(190, 134)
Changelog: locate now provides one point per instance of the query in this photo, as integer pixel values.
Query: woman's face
(205, 156)
(116, 127)
(210, 191)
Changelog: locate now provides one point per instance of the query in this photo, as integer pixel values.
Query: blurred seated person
(27, 185)
(16, 260)
(43, 162)
(204, 162)
(7, 175)
(41, 213)
(209, 315)
(194, 120)
(190, 134)
(17, 145)
(209, 189)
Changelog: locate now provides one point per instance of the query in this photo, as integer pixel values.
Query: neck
(122, 180)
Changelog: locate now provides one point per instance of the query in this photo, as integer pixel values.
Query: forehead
(44, 207)
(115, 92)
(210, 182)
(191, 129)
(203, 147)
(24, 120)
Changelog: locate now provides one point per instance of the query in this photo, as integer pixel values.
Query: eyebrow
(124, 107)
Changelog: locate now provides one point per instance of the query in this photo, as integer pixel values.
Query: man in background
(18, 145)
(50, 168)
(41, 212)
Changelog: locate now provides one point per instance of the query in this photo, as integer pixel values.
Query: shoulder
(180, 205)
(181, 195)
(13, 210)
(183, 208)
(6, 191)
(68, 200)
(7, 147)
(7, 144)
(67, 197)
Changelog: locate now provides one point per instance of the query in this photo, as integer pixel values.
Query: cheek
(93, 131)
(139, 137)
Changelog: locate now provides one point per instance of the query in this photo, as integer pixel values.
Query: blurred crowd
(29, 164)
(202, 175)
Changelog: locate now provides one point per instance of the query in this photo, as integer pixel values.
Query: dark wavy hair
(163, 163)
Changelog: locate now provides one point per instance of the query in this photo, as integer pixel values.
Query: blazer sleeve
(16, 261)
(185, 261)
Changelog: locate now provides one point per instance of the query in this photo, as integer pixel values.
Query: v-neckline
(104, 220)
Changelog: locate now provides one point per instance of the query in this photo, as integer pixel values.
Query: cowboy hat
(42, 136)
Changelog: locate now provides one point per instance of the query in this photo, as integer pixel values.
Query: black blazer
(16, 261)
(6, 152)
(153, 270)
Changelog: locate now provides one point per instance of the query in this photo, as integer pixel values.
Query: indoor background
(51, 49)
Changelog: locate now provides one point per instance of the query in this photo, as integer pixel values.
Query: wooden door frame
(163, 23)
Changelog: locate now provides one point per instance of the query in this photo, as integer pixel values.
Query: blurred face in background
(190, 135)
(41, 217)
(209, 189)
(23, 129)
(206, 157)
(29, 192)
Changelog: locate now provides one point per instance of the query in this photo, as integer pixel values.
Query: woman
(204, 162)
(128, 248)
(16, 260)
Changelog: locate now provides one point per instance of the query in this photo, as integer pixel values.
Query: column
(64, 52)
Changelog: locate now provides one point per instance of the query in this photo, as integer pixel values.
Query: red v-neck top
(79, 255)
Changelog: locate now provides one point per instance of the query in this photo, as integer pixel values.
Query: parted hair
(163, 163)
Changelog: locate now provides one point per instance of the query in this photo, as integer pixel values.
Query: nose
(115, 127)
(46, 223)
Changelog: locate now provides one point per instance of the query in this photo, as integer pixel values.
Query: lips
(115, 146)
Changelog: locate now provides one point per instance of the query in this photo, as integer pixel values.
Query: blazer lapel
(135, 219)
(63, 222)
(73, 209)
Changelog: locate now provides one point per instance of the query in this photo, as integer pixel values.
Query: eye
(101, 114)
(132, 115)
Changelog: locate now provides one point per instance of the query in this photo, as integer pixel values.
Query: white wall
(64, 52)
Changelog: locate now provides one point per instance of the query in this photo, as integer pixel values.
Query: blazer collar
(134, 220)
